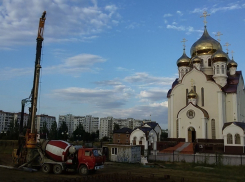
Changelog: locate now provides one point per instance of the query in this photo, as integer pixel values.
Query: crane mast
(31, 133)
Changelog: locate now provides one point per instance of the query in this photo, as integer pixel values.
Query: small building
(233, 133)
(122, 153)
(122, 136)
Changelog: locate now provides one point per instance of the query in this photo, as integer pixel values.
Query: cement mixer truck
(59, 156)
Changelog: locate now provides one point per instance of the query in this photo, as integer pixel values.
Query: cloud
(74, 65)
(188, 29)
(9, 73)
(149, 80)
(132, 25)
(109, 82)
(167, 15)
(179, 13)
(215, 8)
(65, 21)
(155, 111)
(153, 95)
(102, 98)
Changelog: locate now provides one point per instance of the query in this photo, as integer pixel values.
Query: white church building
(207, 100)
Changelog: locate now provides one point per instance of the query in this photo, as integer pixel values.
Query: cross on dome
(192, 82)
(184, 40)
(205, 14)
(218, 35)
(227, 45)
(232, 52)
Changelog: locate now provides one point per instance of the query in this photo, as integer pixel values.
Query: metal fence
(214, 159)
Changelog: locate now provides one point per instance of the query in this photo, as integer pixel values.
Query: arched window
(214, 70)
(229, 139)
(217, 69)
(195, 88)
(213, 129)
(222, 69)
(182, 73)
(237, 139)
(177, 128)
(202, 63)
(202, 94)
(209, 62)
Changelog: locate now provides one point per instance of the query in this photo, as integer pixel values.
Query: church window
(213, 129)
(229, 138)
(195, 88)
(223, 69)
(186, 96)
(214, 70)
(202, 93)
(209, 62)
(182, 73)
(237, 139)
(177, 128)
(217, 69)
(202, 63)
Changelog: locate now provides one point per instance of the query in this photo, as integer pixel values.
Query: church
(207, 100)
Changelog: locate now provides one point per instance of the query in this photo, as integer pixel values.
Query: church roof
(152, 124)
(203, 110)
(123, 130)
(232, 82)
(239, 124)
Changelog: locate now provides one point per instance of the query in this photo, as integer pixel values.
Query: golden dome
(232, 63)
(192, 94)
(184, 60)
(196, 59)
(220, 56)
(205, 45)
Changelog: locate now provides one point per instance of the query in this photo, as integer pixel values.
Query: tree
(13, 130)
(164, 135)
(44, 132)
(63, 131)
(79, 132)
(116, 127)
(53, 133)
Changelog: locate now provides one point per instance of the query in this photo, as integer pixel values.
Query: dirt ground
(129, 172)
(177, 172)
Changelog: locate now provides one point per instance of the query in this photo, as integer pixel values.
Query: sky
(104, 57)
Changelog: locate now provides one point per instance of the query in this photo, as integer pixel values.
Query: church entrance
(191, 134)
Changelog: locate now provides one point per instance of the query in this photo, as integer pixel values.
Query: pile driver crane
(27, 144)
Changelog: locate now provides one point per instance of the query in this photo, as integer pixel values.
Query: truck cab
(89, 159)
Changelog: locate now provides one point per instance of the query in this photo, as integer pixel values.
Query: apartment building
(89, 123)
(41, 119)
(106, 126)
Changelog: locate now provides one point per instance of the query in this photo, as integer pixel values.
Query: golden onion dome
(232, 63)
(220, 56)
(196, 59)
(205, 45)
(192, 94)
(184, 60)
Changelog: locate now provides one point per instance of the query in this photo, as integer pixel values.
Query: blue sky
(104, 57)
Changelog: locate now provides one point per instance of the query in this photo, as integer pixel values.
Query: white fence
(216, 159)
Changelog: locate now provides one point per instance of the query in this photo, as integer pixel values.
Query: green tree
(79, 133)
(116, 127)
(53, 133)
(164, 135)
(62, 132)
(44, 131)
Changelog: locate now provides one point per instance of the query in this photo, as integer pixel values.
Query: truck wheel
(83, 170)
(46, 168)
(57, 169)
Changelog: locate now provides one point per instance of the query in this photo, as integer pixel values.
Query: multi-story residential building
(17, 116)
(41, 119)
(106, 125)
(89, 123)
(5, 119)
